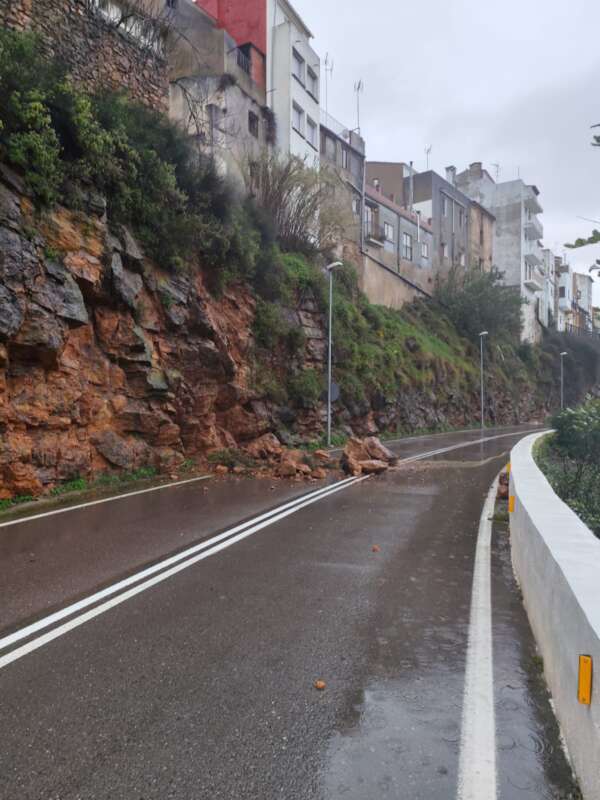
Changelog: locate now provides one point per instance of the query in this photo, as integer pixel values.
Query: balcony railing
(375, 233)
(533, 228)
(533, 254)
(243, 61)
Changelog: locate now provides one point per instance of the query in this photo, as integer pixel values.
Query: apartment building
(583, 302)
(548, 297)
(440, 204)
(564, 298)
(274, 30)
(482, 229)
(517, 240)
(397, 252)
(218, 91)
(343, 150)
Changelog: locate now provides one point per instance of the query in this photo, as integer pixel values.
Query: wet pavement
(202, 687)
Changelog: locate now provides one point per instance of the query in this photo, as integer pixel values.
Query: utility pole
(428, 149)
(562, 380)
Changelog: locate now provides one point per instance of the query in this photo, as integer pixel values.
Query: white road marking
(44, 622)
(110, 499)
(187, 558)
(477, 765)
(45, 638)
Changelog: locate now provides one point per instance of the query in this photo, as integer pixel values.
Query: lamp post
(330, 268)
(481, 335)
(562, 380)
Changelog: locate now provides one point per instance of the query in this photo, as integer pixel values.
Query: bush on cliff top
(65, 140)
(570, 458)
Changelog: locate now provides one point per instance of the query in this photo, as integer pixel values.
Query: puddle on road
(402, 745)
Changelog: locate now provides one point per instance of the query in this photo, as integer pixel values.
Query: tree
(304, 203)
(477, 301)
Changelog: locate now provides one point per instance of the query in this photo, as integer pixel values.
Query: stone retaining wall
(97, 54)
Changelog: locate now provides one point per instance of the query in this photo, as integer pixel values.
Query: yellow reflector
(508, 468)
(511, 503)
(584, 686)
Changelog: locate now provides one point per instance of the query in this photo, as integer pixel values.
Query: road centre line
(186, 559)
(45, 638)
(85, 602)
(477, 762)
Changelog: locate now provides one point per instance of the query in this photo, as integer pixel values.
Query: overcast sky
(515, 83)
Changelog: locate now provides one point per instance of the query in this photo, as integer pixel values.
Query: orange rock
(319, 474)
(376, 548)
(373, 466)
(320, 685)
(221, 469)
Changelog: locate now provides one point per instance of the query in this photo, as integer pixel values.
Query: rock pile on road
(366, 456)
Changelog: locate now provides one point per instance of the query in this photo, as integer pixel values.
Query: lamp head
(483, 333)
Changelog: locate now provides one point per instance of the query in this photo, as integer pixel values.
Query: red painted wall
(244, 20)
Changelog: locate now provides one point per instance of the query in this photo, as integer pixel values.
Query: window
(253, 124)
(407, 246)
(330, 148)
(345, 157)
(298, 66)
(424, 249)
(313, 83)
(561, 291)
(388, 230)
(356, 205)
(311, 132)
(444, 205)
(481, 235)
(444, 250)
(461, 217)
(463, 260)
(298, 119)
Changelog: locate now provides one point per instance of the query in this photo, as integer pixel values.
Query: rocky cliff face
(105, 361)
(108, 363)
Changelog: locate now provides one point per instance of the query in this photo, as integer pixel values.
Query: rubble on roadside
(368, 456)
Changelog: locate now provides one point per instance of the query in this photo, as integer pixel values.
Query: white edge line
(44, 622)
(45, 638)
(73, 608)
(477, 762)
(103, 500)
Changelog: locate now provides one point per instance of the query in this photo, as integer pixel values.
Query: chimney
(451, 175)
(376, 184)
(476, 169)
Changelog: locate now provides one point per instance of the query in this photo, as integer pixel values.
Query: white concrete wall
(556, 559)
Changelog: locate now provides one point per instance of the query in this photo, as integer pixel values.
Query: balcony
(533, 228)
(243, 61)
(532, 202)
(533, 254)
(375, 234)
(533, 280)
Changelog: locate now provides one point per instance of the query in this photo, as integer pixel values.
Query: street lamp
(330, 268)
(562, 380)
(481, 335)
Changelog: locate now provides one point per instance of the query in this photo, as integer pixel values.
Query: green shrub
(570, 458)
(231, 458)
(305, 388)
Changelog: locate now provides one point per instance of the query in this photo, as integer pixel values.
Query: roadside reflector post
(511, 503)
(508, 468)
(584, 684)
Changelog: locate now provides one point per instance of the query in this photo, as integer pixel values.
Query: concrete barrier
(556, 559)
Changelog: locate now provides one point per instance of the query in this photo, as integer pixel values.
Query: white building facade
(293, 82)
(517, 242)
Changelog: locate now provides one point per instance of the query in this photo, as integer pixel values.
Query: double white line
(153, 575)
(127, 588)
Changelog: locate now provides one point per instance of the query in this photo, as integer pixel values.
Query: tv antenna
(359, 87)
(428, 149)
(497, 169)
(328, 73)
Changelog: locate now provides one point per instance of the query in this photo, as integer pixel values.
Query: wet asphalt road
(202, 686)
